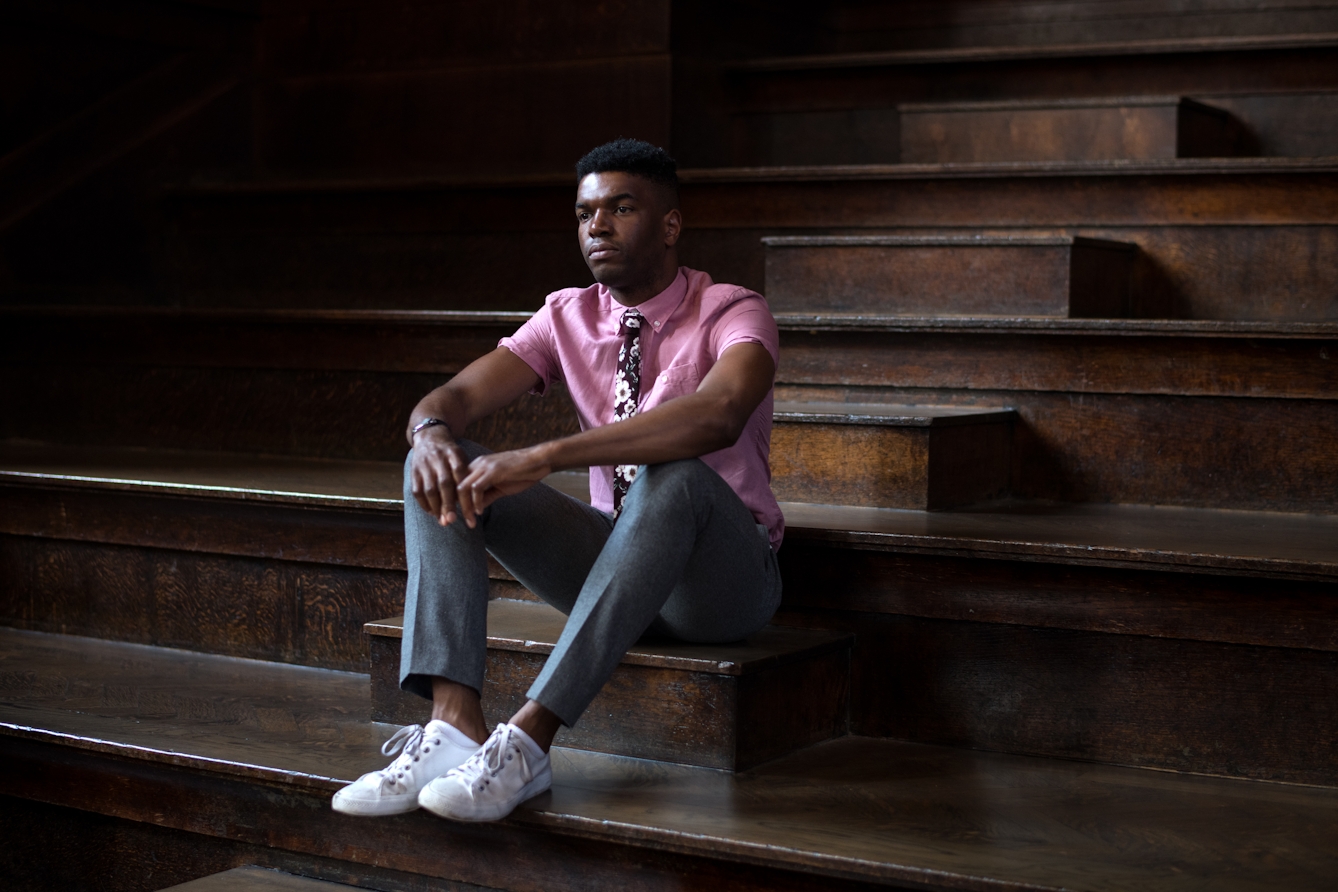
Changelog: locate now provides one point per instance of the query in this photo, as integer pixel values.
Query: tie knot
(631, 320)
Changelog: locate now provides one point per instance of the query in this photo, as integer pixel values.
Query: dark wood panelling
(1286, 613)
(1221, 239)
(919, 24)
(357, 38)
(901, 464)
(1074, 358)
(326, 414)
(1009, 73)
(875, 811)
(1130, 128)
(1161, 450)
(247, 607)
(947, 276)
(495, 119)
(1189, 706)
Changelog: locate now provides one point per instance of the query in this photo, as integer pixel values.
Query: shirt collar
(658, 309)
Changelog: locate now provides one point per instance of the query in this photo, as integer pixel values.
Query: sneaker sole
(441, 806)
(372, 809)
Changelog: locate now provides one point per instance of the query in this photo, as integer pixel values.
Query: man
(681, 534)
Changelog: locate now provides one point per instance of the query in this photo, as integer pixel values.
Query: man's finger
(423, 491)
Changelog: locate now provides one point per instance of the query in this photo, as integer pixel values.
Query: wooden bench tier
(1126, 411)
(1132, 128)
(730, 706)
(234, 761)
(1097, 632)
(962, 275)
(1217, 237)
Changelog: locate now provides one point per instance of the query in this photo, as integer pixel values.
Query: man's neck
(639, 294)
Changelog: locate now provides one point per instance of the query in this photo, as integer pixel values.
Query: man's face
(625, 227)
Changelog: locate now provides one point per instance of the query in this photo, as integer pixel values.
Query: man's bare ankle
(458, 705)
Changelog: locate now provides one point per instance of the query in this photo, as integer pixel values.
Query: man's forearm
(443, 403)
(687, 427)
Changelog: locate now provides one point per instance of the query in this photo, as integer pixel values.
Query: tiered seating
(1054, 438)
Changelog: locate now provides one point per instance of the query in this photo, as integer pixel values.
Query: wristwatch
(425, 424)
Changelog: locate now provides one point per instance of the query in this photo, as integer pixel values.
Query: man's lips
(599, 252)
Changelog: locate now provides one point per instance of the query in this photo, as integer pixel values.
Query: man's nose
(599, 222)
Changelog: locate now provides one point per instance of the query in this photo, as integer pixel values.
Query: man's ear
(673, 226)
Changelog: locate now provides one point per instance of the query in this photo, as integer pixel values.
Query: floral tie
(626, 391)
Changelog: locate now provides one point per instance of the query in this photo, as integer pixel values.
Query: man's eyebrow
(619, 197)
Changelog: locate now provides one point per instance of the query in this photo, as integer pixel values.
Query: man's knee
(682, 476)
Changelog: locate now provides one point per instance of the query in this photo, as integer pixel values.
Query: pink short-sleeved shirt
(574, 339)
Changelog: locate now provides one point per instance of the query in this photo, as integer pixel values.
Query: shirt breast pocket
(674, 381)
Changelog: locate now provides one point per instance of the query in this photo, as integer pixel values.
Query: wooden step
(1218, 238)
(1137, 411)
(881, 456)
(976, 607)
(1134, 128)
(946, 276)
(255, 879)
(984, 25)
(730, 706)
(774, 105)
(199, 759)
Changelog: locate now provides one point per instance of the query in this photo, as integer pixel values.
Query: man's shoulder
(567, 298)
(717, 295)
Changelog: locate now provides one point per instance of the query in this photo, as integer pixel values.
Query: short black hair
(632, 156)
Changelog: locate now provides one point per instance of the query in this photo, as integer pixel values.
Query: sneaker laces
(408, 742)
(484, 765)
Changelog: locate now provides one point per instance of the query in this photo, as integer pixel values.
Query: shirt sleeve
(746, 320)
(533, 343)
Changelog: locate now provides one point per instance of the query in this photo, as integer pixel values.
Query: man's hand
(438, 465)
(500, 474)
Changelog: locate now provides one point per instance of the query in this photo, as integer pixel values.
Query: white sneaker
(427, 753)
(507, 770)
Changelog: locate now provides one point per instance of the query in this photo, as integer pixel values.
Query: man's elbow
(724, 426)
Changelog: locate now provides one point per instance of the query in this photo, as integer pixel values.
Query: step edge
(815, 172)
(945, 241)
(1130, 101)
(649, 836)
(855, 536)
(393, 627)
(889, 415)
(949, 55)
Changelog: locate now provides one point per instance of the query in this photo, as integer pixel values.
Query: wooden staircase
(1054, 438)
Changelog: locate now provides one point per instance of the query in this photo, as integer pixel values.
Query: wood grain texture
(851, 810)
(1286, 613)
(1204, 452)
(1246, 238)
(216, 824)
(920, 24)
(341, 415)
(1269, 543)
(922, 468)
(238, 606)
(1130, 128)
(1077, 71)
(1205, 707)
(1074, 357)
(947, 276)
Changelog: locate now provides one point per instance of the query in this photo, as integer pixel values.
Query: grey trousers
(685, 560)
